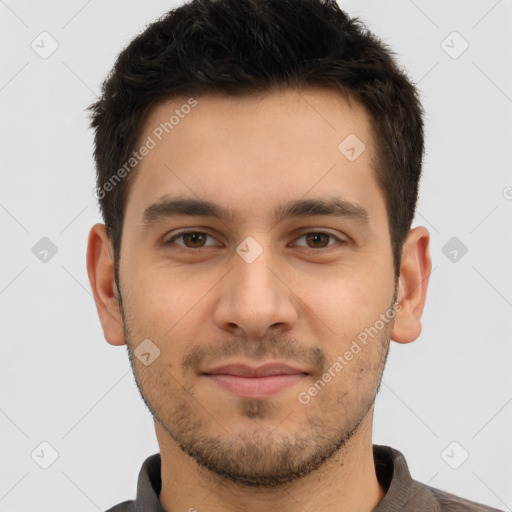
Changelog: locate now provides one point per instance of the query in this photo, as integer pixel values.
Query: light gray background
(64, 385)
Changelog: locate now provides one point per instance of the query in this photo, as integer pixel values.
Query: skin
(221, 451)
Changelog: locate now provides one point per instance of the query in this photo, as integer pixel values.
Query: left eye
(318, 237)
(197, 239)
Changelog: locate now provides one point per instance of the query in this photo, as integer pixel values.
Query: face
(254, 304)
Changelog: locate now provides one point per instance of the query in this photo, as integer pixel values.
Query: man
(258, 166)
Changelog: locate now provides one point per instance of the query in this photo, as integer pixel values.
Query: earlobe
(100, 269)
(415, 270)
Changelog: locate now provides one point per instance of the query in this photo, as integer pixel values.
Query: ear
(100, 268)
(415, 269)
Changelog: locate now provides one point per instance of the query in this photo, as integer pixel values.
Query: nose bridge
(253, 279)
(253, 297)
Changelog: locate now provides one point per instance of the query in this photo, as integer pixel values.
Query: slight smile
(255, 382)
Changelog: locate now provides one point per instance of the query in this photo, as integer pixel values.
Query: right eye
(193, 240)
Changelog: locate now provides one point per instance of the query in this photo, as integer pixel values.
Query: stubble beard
(263, 456)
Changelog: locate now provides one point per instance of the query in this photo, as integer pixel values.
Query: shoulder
(424, 497)
(450, 503)
(405, 494)
(125, 506)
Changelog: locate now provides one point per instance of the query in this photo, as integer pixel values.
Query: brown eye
(319, 240)
(194, 240)
(191, 240)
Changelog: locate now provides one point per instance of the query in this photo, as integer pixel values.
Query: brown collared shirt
(403, 494)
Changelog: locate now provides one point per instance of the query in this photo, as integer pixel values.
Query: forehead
(248, 152)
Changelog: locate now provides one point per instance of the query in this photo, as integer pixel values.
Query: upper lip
(245, 370)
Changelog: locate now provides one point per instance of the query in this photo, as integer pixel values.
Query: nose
(256, 300)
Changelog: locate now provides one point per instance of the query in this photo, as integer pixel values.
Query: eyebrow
(167, 207)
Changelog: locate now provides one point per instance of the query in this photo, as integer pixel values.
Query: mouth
(255, 382)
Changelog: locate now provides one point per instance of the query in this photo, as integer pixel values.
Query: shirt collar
(390, 466)
(149, 486)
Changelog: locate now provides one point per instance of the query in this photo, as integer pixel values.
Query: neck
(346, 482)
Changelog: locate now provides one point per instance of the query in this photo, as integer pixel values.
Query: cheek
(163, 295)
(345, 302)
(163, 388)
(171, 308)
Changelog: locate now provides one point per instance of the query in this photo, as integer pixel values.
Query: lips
(255, 382)
(266, 370)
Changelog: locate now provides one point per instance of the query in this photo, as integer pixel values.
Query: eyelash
(171, 240)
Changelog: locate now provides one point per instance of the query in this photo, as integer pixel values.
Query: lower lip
(256, 387)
